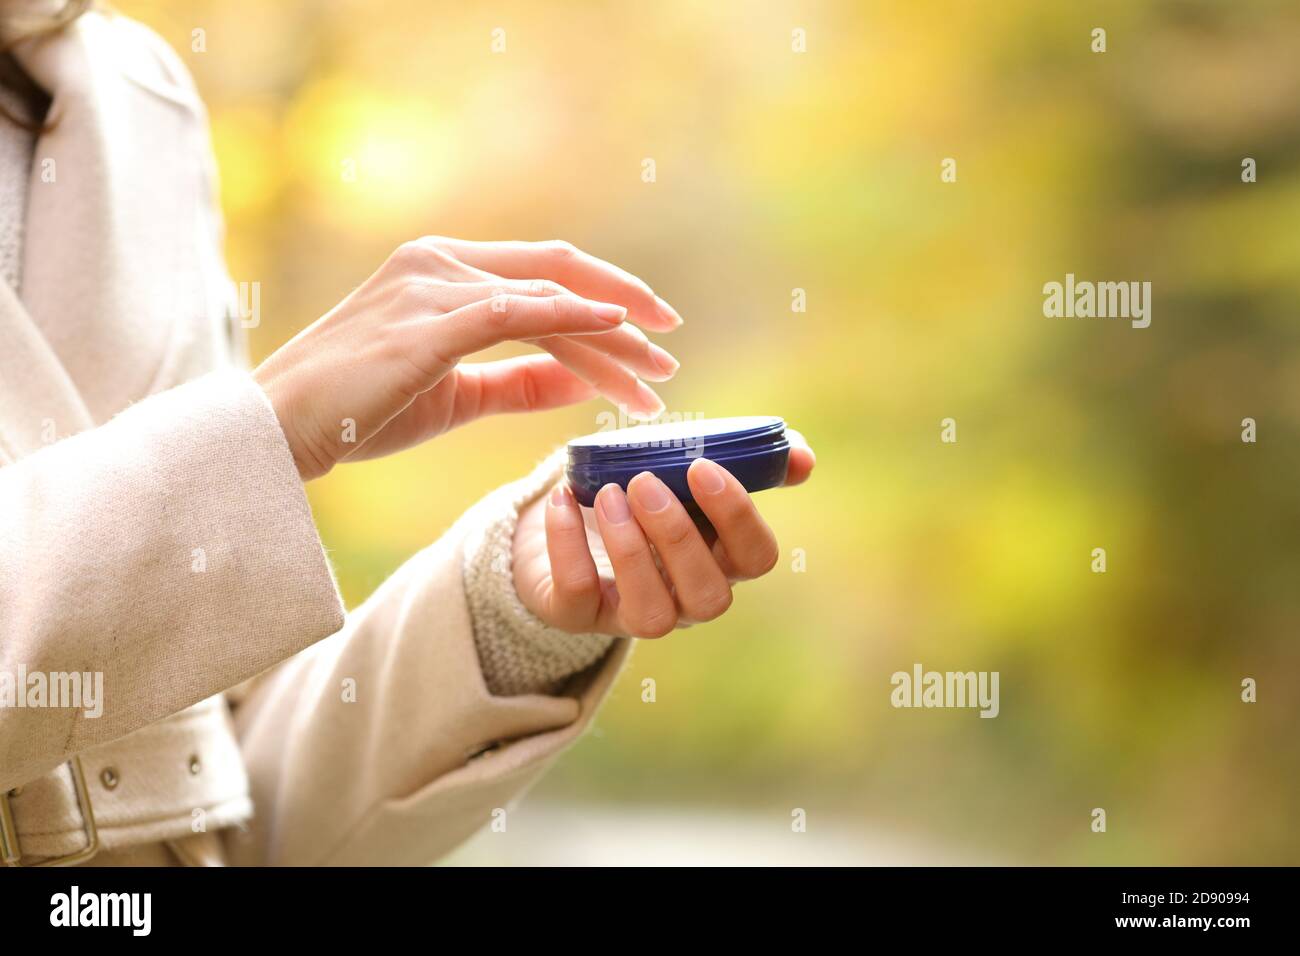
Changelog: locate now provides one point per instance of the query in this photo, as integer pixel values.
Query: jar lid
(753, 448)
(698, 438)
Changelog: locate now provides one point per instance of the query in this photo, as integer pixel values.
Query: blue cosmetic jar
(754, 449)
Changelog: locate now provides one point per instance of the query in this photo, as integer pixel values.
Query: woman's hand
(382, 371)
(636, 564)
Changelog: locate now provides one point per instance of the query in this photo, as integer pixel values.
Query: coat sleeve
(171, 550)
(383, 744)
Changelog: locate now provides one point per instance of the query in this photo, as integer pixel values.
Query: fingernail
(559, 496)
(613, 504)
(709, 476)
(668, 312)
(613, 314)
(667, 364)
(650, 492)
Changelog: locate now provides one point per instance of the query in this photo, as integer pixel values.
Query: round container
(752, 448)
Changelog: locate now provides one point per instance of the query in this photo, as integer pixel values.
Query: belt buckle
(11, 853)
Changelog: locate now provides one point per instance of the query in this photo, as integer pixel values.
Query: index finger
(579, 271)
(443, 340)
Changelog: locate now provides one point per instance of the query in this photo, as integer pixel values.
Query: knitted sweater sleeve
(518, 652)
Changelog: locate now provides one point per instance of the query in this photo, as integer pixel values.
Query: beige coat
(170, 546)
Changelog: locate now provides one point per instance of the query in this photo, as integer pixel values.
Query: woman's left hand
(636, 564)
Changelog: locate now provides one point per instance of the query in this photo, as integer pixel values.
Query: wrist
(519, 651)
(307, 458)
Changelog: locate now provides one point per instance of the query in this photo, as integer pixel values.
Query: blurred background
(343, 128)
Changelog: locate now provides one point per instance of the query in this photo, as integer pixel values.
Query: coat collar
(117, 235)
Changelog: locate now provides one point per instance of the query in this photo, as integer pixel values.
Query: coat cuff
(172, 548)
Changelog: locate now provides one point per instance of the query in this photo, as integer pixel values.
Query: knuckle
(414, 295)
(530, 395)
(653, 622)
(761, 560)
(712, 603)
(734, 509)
(497, 311)
(544, 287)
(560, 250)
(409, 255)
(625, 548)
(424, 255)
(676, 533)
(576, 586)
(499, 302)
(564, 308)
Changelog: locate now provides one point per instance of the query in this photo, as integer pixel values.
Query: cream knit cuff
(518, 652)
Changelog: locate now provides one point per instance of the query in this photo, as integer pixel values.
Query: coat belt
(179, 776)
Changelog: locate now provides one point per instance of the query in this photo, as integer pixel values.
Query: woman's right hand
(382, 370)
